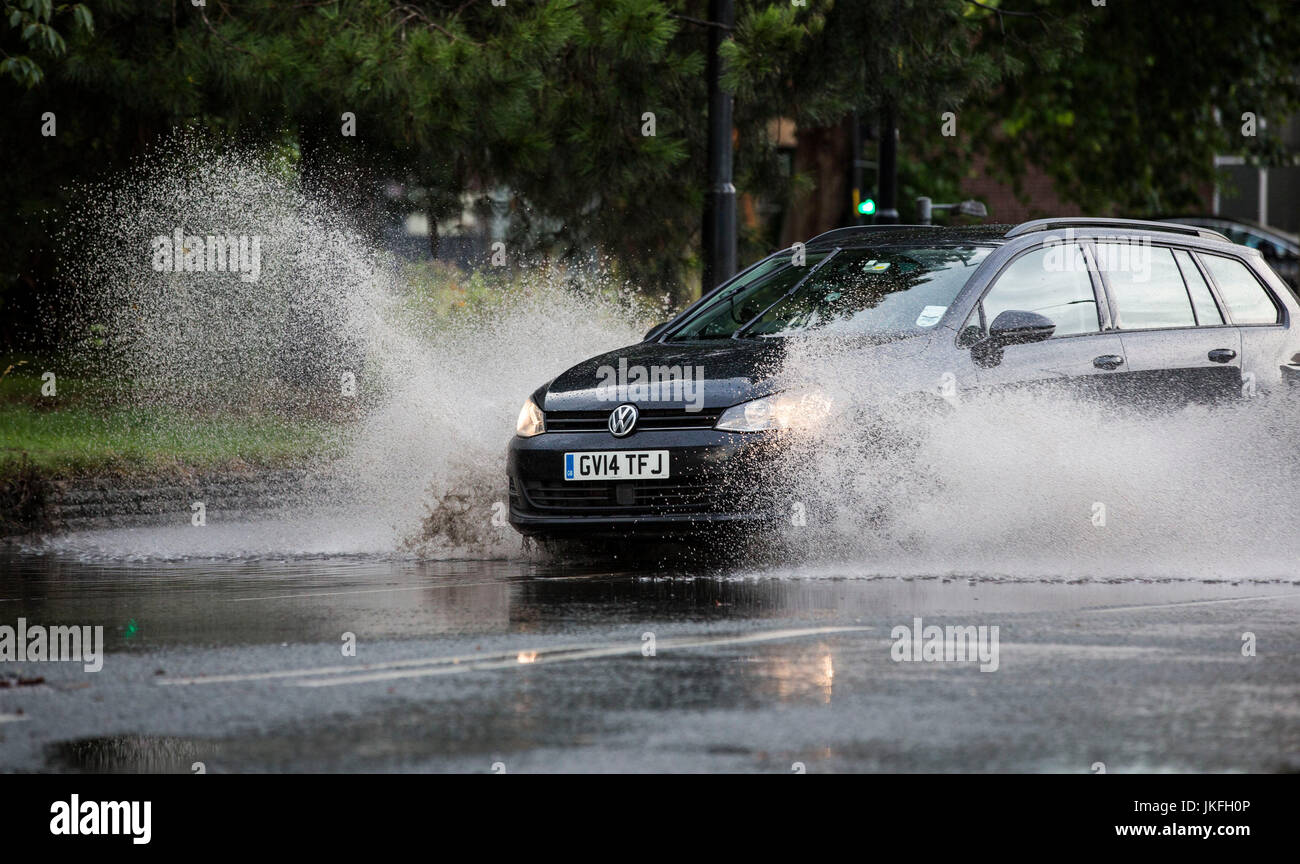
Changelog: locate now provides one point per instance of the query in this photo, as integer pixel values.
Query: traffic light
(863, 206)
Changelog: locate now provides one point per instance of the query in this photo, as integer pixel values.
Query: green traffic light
(866, 207)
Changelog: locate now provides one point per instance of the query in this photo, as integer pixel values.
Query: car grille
(650, 418)
(600, 496)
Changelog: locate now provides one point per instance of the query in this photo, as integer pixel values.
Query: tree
(593, 114)
(546, 98)
(919, 58)
(30, 30)
(1132, 123)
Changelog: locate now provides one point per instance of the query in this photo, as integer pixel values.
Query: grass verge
(72, 434)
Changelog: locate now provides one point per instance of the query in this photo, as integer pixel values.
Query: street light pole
(720, 207)
(855, 168)
(887, 206)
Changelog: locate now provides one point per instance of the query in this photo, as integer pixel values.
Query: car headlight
(531, 420)
(778, 411)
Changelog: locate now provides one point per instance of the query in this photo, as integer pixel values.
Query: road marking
(12, 718)
(332, 593)
(519, 581)
(541, 657)
(426, 666)
(354, 668)
(1192, 603)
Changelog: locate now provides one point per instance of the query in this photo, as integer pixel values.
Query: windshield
(882, 294)
(744, 299)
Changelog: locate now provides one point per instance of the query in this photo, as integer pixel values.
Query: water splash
(1005, 486)
(436, 384)
(1030, 484)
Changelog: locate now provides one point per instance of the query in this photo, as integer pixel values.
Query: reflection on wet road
(460, 666)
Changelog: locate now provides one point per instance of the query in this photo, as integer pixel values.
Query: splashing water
(423, 439)
(1026, 484)
(1012, 485)
(450, 414)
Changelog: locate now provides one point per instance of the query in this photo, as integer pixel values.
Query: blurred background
(580, 131)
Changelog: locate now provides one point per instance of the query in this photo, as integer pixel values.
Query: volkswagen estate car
(666, 435)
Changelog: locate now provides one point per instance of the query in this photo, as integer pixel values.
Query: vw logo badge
(622, 420)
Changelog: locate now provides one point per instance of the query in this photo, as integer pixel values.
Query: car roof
(1081, 226)
(892, 235)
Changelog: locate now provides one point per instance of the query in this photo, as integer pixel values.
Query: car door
(1178, 346)
(1267, 343)
(1054, 280)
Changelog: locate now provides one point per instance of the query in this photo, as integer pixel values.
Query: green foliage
(548, 98)
(32, 21)
(1157, 88)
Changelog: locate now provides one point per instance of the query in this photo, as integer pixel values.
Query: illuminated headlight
(531, 420)
(778, 411)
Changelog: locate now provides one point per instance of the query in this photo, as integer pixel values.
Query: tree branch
(204, 13)
(700, 21)
(415, 12)
(1001, 12)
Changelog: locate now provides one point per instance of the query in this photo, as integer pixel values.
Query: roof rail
(1130, 224)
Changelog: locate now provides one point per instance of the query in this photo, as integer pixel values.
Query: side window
(1052, 281)
(1245, 298)
(1148, 289)
(1207, 311)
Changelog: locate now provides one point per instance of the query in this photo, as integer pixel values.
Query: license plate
(616, 465)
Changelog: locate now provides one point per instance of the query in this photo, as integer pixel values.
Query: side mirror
(1016, 327)
(655, 331)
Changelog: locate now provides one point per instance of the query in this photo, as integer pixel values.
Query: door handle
(1222, 355)
(1108, 361)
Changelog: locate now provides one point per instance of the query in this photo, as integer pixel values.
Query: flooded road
(1030, 582)
(519, 666)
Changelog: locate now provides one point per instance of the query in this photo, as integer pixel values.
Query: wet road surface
(516, 666)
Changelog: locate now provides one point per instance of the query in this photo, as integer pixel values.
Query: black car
(1279, 248)
(665, 435)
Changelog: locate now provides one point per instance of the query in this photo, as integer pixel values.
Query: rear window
(1247, 300)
